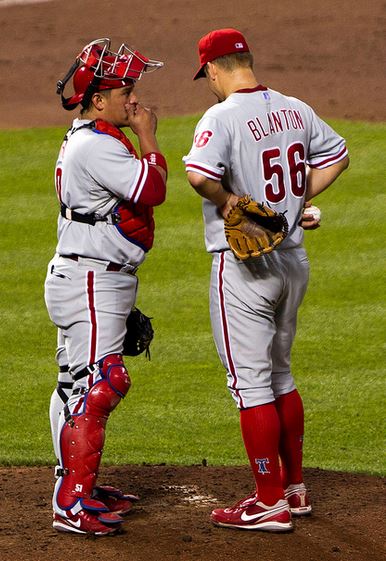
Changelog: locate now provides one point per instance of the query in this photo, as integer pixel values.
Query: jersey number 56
(273, 162)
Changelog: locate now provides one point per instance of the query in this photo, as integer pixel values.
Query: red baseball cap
(219, 42)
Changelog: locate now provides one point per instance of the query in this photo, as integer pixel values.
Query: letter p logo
(262, 463)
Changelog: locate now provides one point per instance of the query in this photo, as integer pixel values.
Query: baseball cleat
(251, 514)
(298, 499)
(115, 500)
(85, 523)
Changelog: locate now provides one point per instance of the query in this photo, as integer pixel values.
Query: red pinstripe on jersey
(225, 330)
(93, 320)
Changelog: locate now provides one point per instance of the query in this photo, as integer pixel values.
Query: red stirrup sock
(260, 427)
(291, 414)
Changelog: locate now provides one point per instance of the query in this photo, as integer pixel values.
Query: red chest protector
(136, 220)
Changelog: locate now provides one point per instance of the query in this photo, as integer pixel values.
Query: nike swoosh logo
(248, 517)
(76, 524)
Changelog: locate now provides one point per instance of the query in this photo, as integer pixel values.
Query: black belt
(109, 267)
(90, 218)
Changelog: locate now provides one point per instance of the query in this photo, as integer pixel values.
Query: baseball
(314, 211)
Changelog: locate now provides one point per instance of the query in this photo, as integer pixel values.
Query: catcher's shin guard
(82, 435)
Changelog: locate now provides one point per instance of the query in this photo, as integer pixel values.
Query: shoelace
(252, 498)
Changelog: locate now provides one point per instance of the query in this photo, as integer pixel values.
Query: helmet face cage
(108, 69)
(110, 65)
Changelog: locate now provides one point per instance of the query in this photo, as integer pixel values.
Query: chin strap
(61, 84)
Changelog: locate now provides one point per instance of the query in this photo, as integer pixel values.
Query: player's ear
(98, 100)
(211, 70)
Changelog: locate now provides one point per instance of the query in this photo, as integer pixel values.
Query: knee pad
(115, 372)
(110, 388)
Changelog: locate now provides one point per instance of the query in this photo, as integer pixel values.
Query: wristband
(156, 159)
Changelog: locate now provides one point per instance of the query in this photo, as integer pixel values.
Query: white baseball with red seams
(313, 211)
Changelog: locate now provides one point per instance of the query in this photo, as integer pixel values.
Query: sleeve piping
(140, 180)
(203, 169)
(331, 160)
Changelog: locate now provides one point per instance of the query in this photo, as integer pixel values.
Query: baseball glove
(253, 228)
(139, 334)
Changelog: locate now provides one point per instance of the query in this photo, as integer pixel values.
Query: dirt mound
(171, 521)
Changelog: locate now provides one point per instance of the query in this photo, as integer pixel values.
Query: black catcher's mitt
(139, 334)
(253, 228)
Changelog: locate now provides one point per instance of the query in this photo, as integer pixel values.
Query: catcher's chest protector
(137, 222)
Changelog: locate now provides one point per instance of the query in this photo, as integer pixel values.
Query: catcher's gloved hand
(139, 334)
(252, 228)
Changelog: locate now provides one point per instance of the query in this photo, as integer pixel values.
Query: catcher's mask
(97, 68)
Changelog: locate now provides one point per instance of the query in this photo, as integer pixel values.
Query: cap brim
(200, 73)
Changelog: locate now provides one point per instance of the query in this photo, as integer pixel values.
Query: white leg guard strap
(59, 398)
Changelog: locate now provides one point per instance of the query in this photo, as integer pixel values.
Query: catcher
(259, 141)
(106, 191)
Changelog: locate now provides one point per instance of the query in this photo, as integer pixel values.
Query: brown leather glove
(253, 228)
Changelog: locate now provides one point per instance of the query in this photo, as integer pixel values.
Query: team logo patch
(262, 463)
(202, 138)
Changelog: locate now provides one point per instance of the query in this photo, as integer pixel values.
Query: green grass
(178, 410)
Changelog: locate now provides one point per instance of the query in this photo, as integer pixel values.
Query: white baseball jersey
(259, 142)
(93, 173)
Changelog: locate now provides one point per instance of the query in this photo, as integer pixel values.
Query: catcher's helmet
(97, 68)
